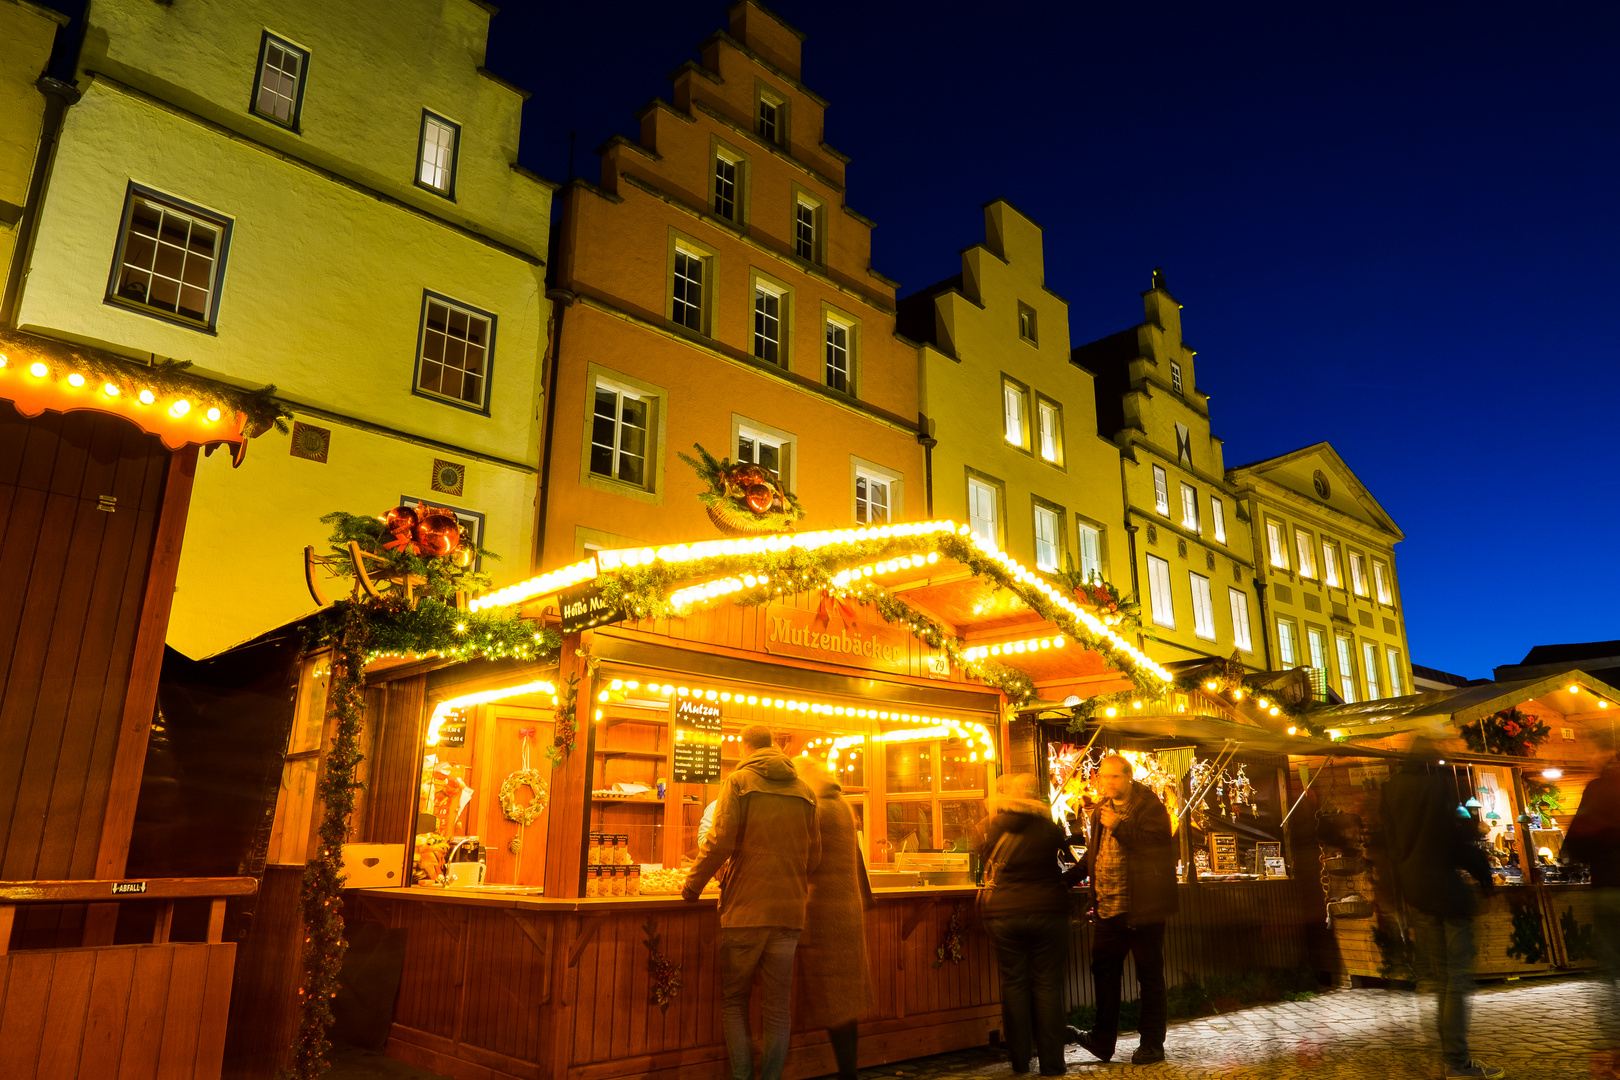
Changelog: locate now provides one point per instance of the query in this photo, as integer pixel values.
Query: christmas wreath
(511, 809)
(743, 498)
(1507, 732)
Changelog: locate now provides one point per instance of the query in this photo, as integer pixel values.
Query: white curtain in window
(1164, 610)
(1203, 607)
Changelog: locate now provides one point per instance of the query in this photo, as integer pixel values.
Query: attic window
(1320, 482)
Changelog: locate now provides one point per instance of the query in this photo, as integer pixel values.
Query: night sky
(1392, 226)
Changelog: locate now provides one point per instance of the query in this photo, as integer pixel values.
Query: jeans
(1446, 952)
(1606, 939)
(769, 950)
(1031, 952)
(1110, 944)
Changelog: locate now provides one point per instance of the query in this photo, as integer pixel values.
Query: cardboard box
(374, 866)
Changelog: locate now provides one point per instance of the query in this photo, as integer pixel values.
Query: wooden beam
(586, 936)
(8, 915)
(110, 892)
(165, 920)
(216, 922)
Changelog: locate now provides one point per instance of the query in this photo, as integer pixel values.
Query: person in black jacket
(1594, 839)
(1430, 846)
(1025, 909)
(1131, 859)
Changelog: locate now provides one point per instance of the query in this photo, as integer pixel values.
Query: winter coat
(1594, 835)
(1150, 856)
(835, 984)
(766, 836)
(1429, 844)
(1018, 845)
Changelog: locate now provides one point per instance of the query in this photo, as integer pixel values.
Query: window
(983, 516)
(1274, 544)
(436, 158)
(1347, 667)
(1369, 668)
(770, 119)
(1175, 376)
(1164, 609)
(619, 435)
(838, 368)
(767, 323)
(1307, 553)
(170, 259)
(1358, 574)
(806, 234)
(1203, 607)
(1048, 543)
(1189, 507)
(1381, 583)
(871, 500)
(1330, 565)
(1049, 422)
(725, 186)
(686, 299)
(1026, 323)
(456, 343)
(1287, 643)
(1240, 619)
(768, 452)
(1217, 518)
(1015, 413)
(1090, 552)
(1161, 491)
(278, 89)
(1317, 640)
(1396, 683)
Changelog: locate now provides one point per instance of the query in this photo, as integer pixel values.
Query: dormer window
(278, 92)
(436, 154)
(1175, 376)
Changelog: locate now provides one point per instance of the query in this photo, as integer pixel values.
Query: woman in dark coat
(835, 983)
(1025, 908)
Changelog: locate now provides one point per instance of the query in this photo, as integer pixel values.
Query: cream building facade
(28, 31)
(323, 197)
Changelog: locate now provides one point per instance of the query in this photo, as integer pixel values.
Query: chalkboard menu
(453, 732)
(697, 742)
(1223, 853)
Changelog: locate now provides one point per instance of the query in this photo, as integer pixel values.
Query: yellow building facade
(312, 196)
(1013, 421)
(1191, 552)
(1332, 602)
(28, 31)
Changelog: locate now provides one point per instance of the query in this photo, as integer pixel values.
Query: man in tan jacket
(766, 834)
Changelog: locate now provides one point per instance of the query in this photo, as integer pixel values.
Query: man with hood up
(767, 836)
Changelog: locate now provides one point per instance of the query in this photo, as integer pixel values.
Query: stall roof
(1445, 710)
(1212, 731)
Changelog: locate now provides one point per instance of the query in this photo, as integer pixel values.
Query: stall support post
(571, 782)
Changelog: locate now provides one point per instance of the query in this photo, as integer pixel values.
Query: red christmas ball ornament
(758, 498)
(748, 476)
(400, 517)
(438, 534)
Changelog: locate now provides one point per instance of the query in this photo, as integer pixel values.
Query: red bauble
(758, 498)
(438, 535)
(400, 517)
(748, 476)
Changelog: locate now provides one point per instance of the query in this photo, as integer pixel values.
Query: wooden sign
(790, 631)
(696, 748)
(453, 732)
(1223, 853)
(121, 888)
(584, 606)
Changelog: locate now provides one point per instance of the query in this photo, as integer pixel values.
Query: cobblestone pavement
(1541, 1028)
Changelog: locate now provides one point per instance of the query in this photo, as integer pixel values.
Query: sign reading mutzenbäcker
(697, 742)
(795, 632)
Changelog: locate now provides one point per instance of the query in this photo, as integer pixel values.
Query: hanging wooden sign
(696, 747)
(584, 606)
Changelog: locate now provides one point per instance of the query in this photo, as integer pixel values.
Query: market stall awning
(1214, 732)
(1442, 712)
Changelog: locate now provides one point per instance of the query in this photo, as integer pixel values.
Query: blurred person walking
(1594, 840)
(1131, 858)
(835, 983)
(766, 835)
(1025, 909)
(1430, 847)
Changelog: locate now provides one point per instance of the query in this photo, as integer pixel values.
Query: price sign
(453, 732)
(697, 742)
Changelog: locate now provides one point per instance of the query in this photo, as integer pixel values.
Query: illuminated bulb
(461, 628)
(1210, 685)
(2, 360)
(1111, 710)
(1261, 702)
(75, 379)
(110, 390)
(1292, 730)
(38, 370)
(179, 408)
(617, 684)
(1551, 774)
(1572, 689)
(1274, 710)
(146, 397)
(213, 414)
(1237, 695)
(1136, 704)
(1603, 704)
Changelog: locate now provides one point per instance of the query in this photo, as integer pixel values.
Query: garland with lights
(1110, 705)
(562, 743)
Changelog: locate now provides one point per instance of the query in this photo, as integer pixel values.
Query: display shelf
(639, 755)
(608, 800)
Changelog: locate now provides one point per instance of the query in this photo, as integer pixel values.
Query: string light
(1009, 648)
(75, 379)
(443, 709)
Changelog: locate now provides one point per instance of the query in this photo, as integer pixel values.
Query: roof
(1585, 650)
(1109, 360)
(1449, 709)
(1326, 451)
(1436, 675)
(914, 314)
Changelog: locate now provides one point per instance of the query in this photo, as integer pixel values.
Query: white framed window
(1014, 413)
(170, 258)
(1217, 518)
(1175, 376)
(769, 452)
(767, 323)
(1161, 491)
(1306, 553)
(1347, 666)
(984, 510)
(1397, 684)
(1048, 542)
(1317, 642)
(436, 154)
(837, 367)
(1090, 551)
(871, 499)
(1274, 545)
(619, 428)
(1163, 605)
(1287, 643)
(1241, 635)
(1049, 425)
(1330, 565)
(1358, 573)
(770, 119)
(806, 229)
(1369, 668)
(687, 289)
(1381, 583)
(1189, 507)
(727, 174)
(278, 87)
(1203, 607)
(455, 346)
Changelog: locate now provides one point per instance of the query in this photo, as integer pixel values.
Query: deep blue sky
(1393, 227)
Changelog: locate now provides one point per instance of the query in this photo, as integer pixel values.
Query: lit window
(1307, 554)
(1347, 667)
(170, 259)
(767, 324)
(1189, 507)
(766, 452)
(1369, 667)
(1051, 431)
(619, 435)
(1240, 619)
(436, 168)
(1175, 376)
(1358, 574)
(725, 187)
(1217, 518)
(1012, 413)
(1274, 545)
(279, 89)
(1161, 491)
(1287, 643)
(456, 344)
(1048, 548)
(871, 500)
(1381, 583)
(686, 304)
(1396, 683)
(1203, 607)
(1330, 566)
(1317, 641)
(804, 230)
(1090, 552)
(982, 510)
(1164, 609)
(838, 356)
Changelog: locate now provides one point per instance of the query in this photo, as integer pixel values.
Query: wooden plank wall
(130, 1011)
(394, 777)
(264, 991)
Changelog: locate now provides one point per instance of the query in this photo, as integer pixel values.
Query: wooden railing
(14, 894)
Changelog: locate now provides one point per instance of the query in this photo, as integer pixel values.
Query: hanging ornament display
(743, 498)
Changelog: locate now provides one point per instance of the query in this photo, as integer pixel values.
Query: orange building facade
(716, 289)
